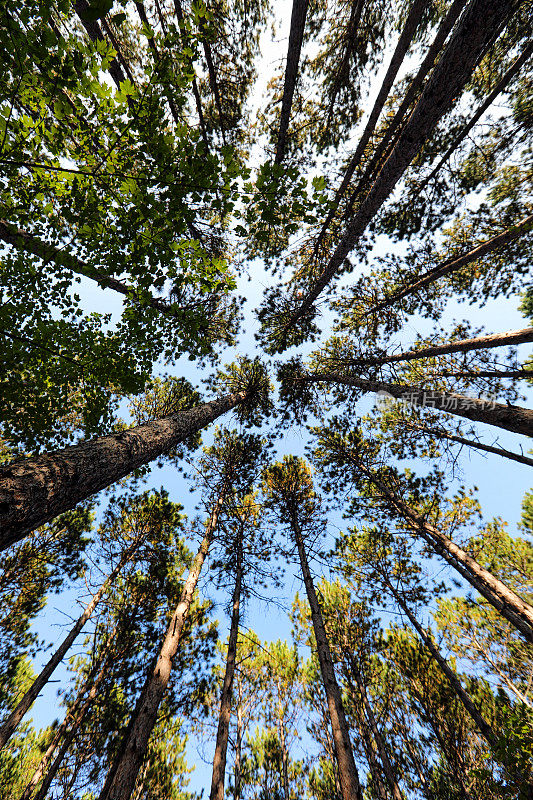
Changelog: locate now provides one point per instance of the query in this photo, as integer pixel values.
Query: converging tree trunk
(467, 45)
(10, 725)
(299, 13)
(349, 778)
(508, 603)
(35, 490)
(508, 417)
(221, 747)
(123, 774)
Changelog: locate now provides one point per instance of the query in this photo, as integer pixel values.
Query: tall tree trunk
(498, 451)
(508, 603)
(508, 417)
(35, 490)
(74, 718)
(29, 243)
(349, 778)
(502, 84)
(380, 744)
(121, 779)
(299, 13)
(284, 757)
(507, 339)
(12, 722)
(456, 263)
(460, 57)
(238, 750)
(221, 747)
(411, 24)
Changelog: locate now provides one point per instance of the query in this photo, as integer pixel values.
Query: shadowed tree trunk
(121, 779)
(460, 57)
(12, 722)
(35, 490)
(221, 747)
(349, 778)
(509, 417)
(299, 13)
(457, 262)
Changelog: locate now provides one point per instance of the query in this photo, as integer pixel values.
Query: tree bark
(457, 262)
(508, 603)
(29, 243)
(299, 13)
(404, 42)
(74, 718)
(349, 778)
(447, 82)
(123, 774)
(380, 744)
(12, 722)
(238, 752)
(509, 417)
(35, 490)
(504, 81)
(221, 747)
(509, 338)
(498, 451)
(368, 744)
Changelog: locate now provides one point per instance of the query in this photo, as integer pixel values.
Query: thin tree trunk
(353, 23)
(12, 722)
(504, 678)
(221, 747)
(509, 338)
(35, 490)
(238, 750)
(179, 14)
(457, 262)
(29, 243)
(498, 451)
(447, 82)
(123, 774)
(284, 758)
(349, 778)
(74, 718)
(384, 756)
(504, 81)
(299, 13)
(95, 33)
(404, 42)
(508, 603)
(509, 417)
(368, 745)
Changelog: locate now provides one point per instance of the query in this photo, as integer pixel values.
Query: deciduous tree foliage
(370, 176)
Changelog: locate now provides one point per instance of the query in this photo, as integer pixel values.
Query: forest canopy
(235, 240)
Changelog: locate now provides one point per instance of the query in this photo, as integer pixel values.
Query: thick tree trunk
(349, 778)
(12, 722)
(456, 263)
(413, 20)
(29, 243)
(510, 605)
(502, 84)
(221, 747)
(498, 451)
(508, 417)
(509, 338)
(451, 74)
(299, 13)
(74, 718)
(35, 490)
(380, 744)
(123, 774)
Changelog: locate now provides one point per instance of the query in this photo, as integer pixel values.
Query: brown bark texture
(349, 779)
(299, 13)
(35, 490)
(509, 417)
(12, 722)
(221, 747)
(123, 774)
(452, 72)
